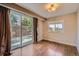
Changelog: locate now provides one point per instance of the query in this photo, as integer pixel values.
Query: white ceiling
(39, 8)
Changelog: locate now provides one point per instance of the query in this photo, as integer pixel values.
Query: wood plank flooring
(46, 48)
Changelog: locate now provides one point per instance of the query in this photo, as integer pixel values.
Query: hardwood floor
(46, 48)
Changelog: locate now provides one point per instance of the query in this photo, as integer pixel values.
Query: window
(56, 26)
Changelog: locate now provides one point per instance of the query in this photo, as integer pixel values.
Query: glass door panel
(15, 19)
(26, 30)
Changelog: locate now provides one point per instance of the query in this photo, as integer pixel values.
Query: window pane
(15, 19)
(26, 29)
(52, 27)
(60, 26)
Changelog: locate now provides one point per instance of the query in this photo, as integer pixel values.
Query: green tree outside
(27, 21)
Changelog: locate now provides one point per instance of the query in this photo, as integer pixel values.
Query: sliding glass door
(21, 30)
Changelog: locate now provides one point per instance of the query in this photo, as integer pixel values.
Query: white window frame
(56, 29)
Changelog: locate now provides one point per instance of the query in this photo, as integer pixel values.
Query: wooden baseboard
(58, 43)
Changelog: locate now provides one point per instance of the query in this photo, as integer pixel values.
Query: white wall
(68, 36)
(40, 30)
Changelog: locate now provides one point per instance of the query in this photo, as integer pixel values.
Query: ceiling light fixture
(52, 7)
